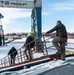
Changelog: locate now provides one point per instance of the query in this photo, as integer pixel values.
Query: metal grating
(63, 70)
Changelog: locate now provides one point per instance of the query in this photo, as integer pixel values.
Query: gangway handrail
(4, 62)
(6, 59)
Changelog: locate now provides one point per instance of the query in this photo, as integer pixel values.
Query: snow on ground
(71, 40)
(17, 44)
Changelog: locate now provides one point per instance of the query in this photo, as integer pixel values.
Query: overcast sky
(19, 20)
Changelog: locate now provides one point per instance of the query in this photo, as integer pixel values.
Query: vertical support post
(45, 45)
(38, 20)
(18, 58)
(4, 62)
(20, 55)
(38, 16)
(0, 40)
(1, 63)
(3, 40)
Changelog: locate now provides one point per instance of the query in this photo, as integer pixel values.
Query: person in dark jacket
(28, 45)
(12, 53)
(60, 39)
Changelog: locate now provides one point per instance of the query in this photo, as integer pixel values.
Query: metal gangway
(43, 52)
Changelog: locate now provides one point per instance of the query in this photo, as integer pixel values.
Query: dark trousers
(59, 44)
(12, 60)
(29, 54)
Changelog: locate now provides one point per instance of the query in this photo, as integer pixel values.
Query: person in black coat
(60, 39)
(12, 53)
(28, 45)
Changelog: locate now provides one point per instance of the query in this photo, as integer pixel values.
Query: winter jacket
(12, 52)
(60, 31)
(28, 40)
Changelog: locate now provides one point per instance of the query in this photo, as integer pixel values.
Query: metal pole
(0, 40)
(3, 40)
(45, 45)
